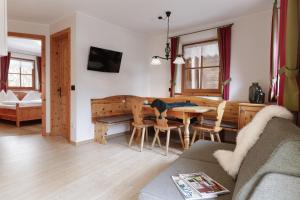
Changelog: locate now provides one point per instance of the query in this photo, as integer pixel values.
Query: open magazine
(195, 186)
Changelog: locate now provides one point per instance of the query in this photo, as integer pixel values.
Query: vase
(256, 94)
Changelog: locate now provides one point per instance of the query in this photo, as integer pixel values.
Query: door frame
(52, 38)
(42, 38)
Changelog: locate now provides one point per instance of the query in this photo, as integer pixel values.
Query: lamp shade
(179, 60)
(155, 61)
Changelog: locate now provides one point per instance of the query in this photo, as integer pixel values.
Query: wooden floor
(35, 167)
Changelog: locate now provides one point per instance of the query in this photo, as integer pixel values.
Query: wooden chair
(139, 124)
(212, 130)
(164, 125)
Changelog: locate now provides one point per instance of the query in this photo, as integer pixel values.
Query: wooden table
(186, 114)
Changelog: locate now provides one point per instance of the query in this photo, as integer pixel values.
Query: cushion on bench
(115, 119)
(224, 124)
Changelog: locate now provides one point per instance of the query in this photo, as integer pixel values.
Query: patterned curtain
(174, 52)
(4, 63)
(224, 36)
(38, 63)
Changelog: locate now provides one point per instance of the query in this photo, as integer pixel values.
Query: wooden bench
(110, 111)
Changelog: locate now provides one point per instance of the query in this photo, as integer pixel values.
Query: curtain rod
(208, 29)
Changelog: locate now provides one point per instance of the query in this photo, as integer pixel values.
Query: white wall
(87, 31)
(249, 56)
(39, 29)
(132, 78)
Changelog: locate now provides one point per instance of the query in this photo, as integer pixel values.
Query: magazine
(203, 184)
(188, 192)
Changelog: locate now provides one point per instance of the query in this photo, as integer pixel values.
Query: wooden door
(60, 83)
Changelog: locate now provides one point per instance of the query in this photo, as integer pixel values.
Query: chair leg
(143, 137)
(194, 136)
(158, 140)
(147, 135)
(212, 137)
(203, 135)
(168, 141)
(155, 137)
(218, 137)
(180, 136)
(132, 135)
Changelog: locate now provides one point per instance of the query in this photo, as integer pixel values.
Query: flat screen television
(104, 60)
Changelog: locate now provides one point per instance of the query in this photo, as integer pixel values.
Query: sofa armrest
(277, 186)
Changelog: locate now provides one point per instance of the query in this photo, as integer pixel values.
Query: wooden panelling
(111, 106)
(247, 111)
(231, 113)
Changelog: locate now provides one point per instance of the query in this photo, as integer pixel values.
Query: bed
(21, 110)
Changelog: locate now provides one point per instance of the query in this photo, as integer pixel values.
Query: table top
(194, 109)
(190, 109)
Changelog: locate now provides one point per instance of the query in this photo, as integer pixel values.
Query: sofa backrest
(275, 152)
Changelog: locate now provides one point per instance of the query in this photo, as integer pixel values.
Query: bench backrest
(111, 106)
(121, 105)
(231, 112)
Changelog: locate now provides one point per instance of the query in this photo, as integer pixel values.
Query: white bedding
(12, 104)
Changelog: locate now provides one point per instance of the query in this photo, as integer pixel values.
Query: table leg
(186, 122)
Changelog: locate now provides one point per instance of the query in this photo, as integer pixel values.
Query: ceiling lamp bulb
(179, 60)
(155, 61)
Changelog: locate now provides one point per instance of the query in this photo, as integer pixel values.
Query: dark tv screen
(104, 60)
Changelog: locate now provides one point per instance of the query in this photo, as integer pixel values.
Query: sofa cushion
(267, 155)
(203, 150)
(163, 188)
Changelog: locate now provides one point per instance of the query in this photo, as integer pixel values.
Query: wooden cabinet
(247, 111)
(3, 27)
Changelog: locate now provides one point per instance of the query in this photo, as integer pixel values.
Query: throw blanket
(162, 106)
(247, 137)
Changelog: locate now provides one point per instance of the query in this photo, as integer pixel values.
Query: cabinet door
(246, 115)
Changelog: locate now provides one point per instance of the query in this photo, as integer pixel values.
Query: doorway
(60, 83)
(23, 106)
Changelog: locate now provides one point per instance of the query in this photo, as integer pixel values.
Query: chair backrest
(137, 111)
(161, 118)
(220, 112)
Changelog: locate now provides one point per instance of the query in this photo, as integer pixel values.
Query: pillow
(32, 95)
(2, 95)
(10, 96)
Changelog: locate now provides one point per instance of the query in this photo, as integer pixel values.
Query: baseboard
(108, 137)
(116, 135)
(82, 142)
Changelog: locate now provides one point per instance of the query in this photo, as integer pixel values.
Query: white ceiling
(138, 15)
(24, 46)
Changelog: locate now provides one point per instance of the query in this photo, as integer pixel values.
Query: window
(21, 74)
(201, 72)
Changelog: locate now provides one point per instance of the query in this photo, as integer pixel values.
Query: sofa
(271, 169)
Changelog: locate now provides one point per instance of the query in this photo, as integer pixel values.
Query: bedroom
(20, 96)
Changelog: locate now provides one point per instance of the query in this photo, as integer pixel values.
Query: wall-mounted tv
(104, 60)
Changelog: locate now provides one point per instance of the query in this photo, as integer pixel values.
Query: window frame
(33, 75)
(201, 92)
